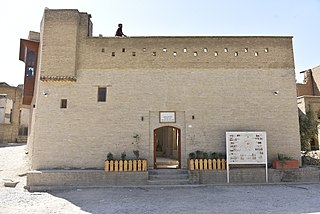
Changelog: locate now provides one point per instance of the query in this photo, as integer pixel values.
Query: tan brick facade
(10, 97)
(214, 84)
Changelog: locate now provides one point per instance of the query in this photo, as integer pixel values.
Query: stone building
(309, 95)
(13, 115)
(163, 96)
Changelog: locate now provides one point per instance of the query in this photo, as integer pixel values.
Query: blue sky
(297, 18)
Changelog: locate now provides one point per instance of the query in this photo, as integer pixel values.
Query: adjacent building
(14, 117)
(309, 95)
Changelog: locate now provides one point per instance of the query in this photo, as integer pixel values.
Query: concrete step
(22, 139)
(168, 177)
(168, 182)
(167, 171)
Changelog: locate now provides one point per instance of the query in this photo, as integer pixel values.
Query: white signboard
(246, 148)
(168, 117)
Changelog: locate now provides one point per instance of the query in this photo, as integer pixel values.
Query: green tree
(308, 130)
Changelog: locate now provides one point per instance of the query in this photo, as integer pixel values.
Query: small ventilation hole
(113, 53)
(133, 53)
(216, 53)
(236, 54)
(154, 53)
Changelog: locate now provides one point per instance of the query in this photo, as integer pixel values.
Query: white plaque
(246, 147)
(168, 117)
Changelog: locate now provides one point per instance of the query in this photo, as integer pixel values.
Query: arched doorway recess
(167, 147)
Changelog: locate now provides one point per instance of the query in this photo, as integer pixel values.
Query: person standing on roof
(119, 32)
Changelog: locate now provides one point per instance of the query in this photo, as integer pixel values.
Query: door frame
(155, 145)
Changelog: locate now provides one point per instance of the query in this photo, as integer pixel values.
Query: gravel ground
(287, 198)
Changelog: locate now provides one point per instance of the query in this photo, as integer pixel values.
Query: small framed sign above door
(167, 117)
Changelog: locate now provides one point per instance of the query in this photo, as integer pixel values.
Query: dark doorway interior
(167, 147)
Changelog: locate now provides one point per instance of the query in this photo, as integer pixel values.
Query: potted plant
(108, 164)
(285, 162)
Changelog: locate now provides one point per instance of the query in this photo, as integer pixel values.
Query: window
(63, 103)
(30, 72)
(102, 94)
(30, 64)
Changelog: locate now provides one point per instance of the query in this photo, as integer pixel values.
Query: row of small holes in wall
(205, 50)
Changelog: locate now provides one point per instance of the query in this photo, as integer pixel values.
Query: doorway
(167, 147)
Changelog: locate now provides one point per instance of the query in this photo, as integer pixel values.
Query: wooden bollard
(223, 164)
(139, 165)
(130, 165)
(219, 164)
(116, 166)
(134, 163)
(214, 164)
(191, 164)
(196, 164)
(120, 165)
(210, 164)
(200, 164)
(205, 164)
(125, 165)
(111, 166)
(106, 166)
(144, 165)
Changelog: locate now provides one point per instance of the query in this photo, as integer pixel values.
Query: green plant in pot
(192, 155)
(109, 156)
(123, 156)
(199, 154)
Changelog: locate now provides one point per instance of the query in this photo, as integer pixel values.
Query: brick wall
(226, 83)
(9, 132)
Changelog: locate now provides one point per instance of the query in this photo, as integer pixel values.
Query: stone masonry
(9, 131)
(213, 83)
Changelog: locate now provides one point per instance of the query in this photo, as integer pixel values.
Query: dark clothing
(119, 32)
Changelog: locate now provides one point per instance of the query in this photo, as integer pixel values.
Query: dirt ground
(284, 198)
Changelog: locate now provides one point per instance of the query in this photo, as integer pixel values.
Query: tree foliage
(308, 130)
